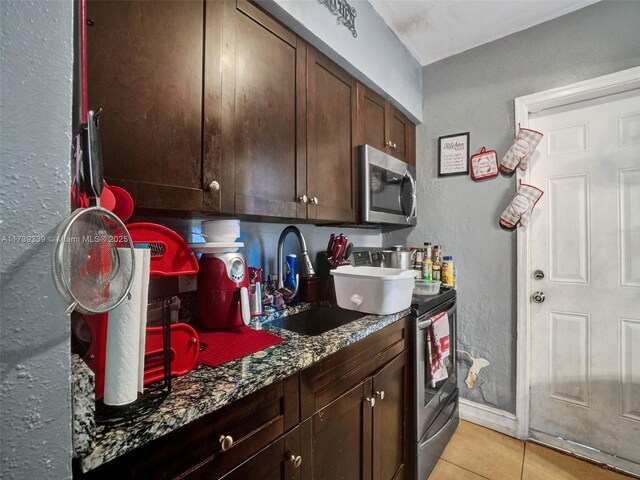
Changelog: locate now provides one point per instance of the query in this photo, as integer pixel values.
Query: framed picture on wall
(453, 154)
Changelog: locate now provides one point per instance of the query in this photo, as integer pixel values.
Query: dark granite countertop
(207, 389)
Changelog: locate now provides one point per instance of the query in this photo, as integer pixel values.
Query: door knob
(380, 394)
(538, 274)
(225, 442)
(538, 297)
(296, 460)
(213, 186)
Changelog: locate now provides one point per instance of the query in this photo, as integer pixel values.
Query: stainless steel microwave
(387, 188)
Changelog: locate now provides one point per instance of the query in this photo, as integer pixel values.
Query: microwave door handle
(413, 196)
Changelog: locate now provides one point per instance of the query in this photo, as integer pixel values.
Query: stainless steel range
(435, 407)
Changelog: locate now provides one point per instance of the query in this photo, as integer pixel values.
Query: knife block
(326, 288)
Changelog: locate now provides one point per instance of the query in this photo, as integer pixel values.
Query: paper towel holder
(154, 394)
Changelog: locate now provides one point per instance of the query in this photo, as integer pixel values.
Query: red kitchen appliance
(223, 291)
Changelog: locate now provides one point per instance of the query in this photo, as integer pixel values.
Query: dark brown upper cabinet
(145, 71)
(215, 107)
(263, 115)
(331, 129)
(384, 127)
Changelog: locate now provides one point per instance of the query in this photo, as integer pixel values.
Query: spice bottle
(417, 258)
(436, 267)
(427, 265)
(447, 272)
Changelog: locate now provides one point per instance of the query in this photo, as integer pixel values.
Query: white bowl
(221, 230)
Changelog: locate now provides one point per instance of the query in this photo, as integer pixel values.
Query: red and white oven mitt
(521, 206)
(521, 150)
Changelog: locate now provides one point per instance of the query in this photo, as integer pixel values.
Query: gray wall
(376, 56)
(474, 92)
(35, 116)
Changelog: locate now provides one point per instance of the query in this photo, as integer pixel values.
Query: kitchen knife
(332, 240)
(347, 252)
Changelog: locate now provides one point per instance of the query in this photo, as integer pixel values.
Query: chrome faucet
(308, 271)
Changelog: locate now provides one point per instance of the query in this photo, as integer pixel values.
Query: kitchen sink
(317, 321)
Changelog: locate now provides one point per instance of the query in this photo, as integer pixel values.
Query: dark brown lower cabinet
(288, 458)
(390, 420)
(363, 433)
(342, 437)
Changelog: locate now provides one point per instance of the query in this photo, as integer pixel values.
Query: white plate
(216, 247)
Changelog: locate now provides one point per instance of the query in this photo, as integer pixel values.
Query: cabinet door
(145, 72)
(371, 119)
(402, 136)
(331, 156)
(384, 127)
(342, 437)
(263, 116)
(391, 432)
(287, 458)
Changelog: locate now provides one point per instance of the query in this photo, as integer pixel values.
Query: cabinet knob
(371, 401)
(225, 442)
(394, 145)
(303, 199)
(313, 200)
(213, 186)
(296, 461)
(380, 394)
(389, 144)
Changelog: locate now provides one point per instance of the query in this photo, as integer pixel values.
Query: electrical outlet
(187, 283)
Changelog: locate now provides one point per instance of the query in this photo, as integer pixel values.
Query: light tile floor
(477, 453)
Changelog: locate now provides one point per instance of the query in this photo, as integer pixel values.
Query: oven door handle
(446, 424)
(427, 323)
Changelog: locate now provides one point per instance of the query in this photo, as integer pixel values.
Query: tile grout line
(463, 468)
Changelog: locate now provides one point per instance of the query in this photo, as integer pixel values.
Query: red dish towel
(223, 346)
(438, 347)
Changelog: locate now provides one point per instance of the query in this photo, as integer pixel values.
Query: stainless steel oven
(387, 188)
(436, 408)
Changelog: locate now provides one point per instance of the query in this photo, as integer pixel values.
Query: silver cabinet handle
(371, 401)
(394, 145)
(389, 143)
(313, 200)
(225, 442)
(296, 461)
(213, 186)
(380, 394)
(538, 297)
(303, 199)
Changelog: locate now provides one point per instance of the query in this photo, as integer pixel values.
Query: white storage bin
(374, 290)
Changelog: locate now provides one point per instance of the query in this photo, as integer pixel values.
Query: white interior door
(585, 238)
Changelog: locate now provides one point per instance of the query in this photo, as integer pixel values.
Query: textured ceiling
(433, 30)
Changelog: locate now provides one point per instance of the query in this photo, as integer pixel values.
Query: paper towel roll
(144, 300)
(123, 340)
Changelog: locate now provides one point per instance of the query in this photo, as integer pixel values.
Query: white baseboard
(489, 417)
